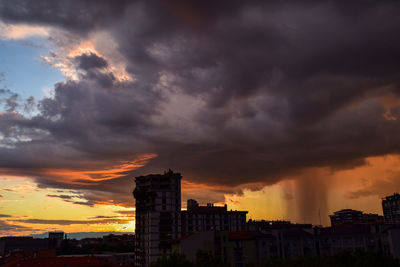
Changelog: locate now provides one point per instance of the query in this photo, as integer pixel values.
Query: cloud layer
(245, 93)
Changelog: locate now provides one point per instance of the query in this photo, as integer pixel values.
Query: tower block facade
(158, 215)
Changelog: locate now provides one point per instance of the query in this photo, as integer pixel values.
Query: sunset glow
(288, 111)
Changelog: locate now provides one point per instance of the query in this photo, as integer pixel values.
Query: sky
(287, 109)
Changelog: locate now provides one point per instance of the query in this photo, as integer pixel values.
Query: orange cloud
(85, 176)
(390, 101)
(21, 31)
(63, 59)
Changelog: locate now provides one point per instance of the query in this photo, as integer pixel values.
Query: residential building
(350, 238)
(349, 216)
(392, 239)
(160, 220)
(207, 218)
(263, 225)
(235, 248)
(295, 242)
(10, 244)
(190, 244)
(391, 209)
(158, 215)
(248, 247)
(56, 238)
(238, 248)
(80, 261)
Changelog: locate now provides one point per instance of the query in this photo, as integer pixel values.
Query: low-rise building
(245, 247)
(190, 244)
(350, 238)
(295, 242)
(232, 247)
(241, 247)
(264, 225)
(210, 217)
(10, 244)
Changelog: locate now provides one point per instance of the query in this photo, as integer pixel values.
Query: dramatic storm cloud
(228, 93)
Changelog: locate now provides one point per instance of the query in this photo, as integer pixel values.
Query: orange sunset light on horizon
(289, 110)
(32, 209)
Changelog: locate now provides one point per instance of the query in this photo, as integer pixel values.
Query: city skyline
(289, 111)
(163, 229)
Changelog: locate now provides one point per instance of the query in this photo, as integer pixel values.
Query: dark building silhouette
(233, 248)
(158, 215)
(391, 209)
(205, 218)
(80, 261)
(236, 248)
(349, 216)
(160, 220)
(56, 238)
(10, 244)
(367, 238)
(294, 242)
(264, 225)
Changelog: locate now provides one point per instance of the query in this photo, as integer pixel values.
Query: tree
(205, 258)
(175, 259)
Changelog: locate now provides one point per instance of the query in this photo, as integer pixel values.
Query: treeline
(343, 259)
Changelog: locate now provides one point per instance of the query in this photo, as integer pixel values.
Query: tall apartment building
(391, 209)
(158, 215)
(205, 218)
(349, 216)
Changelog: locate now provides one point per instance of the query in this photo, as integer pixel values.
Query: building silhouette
(160, 220)
(391, 209)
(265, 225)
(349, 216)
(158, 215)
(205, 218)
(56, 238)
(236, 248)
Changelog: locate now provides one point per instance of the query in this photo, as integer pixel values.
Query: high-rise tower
(158, 215)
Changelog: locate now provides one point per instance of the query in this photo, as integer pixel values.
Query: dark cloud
(89, 61)
(5, 216)
(85, 203)
(70, 199)
(103, 217)
(249, 92)
(9, 100)
(8, 190)
(60, 196)
(76, 15)
(6, 228)
(29, 104)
